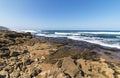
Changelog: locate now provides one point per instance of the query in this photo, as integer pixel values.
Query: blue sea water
(101, 37)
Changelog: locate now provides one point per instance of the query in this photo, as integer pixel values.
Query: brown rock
(15, 74)
(96, 69)
(118, 76)
(69, 67)
(9, 69)
(34, 72)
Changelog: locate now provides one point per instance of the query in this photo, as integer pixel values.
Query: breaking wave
(109, 39)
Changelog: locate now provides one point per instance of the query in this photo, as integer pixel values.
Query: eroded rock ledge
(23, 56)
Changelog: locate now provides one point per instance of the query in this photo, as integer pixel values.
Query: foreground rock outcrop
(23, 56)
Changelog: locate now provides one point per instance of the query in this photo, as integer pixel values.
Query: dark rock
(12, 35)
(1, 76)
(25, 51)
(108, 53)
(9, 69)
(53, 51)
(14, 54)
(2, 65)
(60, 63)
(4, 52)
(35, 72)
(28, 62)
(19, 65)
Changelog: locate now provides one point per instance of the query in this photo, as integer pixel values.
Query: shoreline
(65, 38)
(107, 39)
(93, 47)
(23, 55)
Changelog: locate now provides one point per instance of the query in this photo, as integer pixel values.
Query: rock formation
(23, 56)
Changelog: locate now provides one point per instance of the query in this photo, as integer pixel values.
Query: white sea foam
(95, 42)
(31, 31)
(49, 35)
(62, 33)
(108, 42)
(66, 34)
(116, 33)
(79, 33)
(42, 35)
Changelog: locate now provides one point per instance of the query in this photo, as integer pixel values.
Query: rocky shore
(25, 56)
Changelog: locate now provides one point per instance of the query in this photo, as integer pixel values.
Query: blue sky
(60, 14)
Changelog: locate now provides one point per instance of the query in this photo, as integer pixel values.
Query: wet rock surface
(23, 56)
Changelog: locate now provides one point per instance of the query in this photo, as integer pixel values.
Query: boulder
(96, 68)
(69, 67)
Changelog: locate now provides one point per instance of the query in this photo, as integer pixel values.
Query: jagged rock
(9, 69)
(67, 58)
(52, 51)
(7, 75)
(14, 54)
(32, 42)
(117, 69)
(34, 72)
(69, 67)
(19, 66)
(25, 75)
(62, 75)
(15, 74)
(25, 51)
(14, 59)
(96, 69)
(12, 35)
(19, 40)
(53, 72)
(4, 52)
(27, 62)
(2, 65)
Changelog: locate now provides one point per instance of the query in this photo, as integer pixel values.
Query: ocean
(101, 37)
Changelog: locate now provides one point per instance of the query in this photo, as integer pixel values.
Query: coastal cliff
(25, 56)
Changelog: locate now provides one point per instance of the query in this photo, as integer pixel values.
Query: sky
(60, 14)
